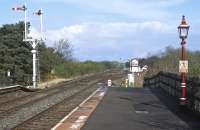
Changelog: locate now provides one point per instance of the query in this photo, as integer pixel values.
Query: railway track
(37, 109)
(14, 99)
(48, 118)
(12, 95)
(10, 89)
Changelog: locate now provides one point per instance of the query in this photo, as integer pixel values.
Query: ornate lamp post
(183, 29)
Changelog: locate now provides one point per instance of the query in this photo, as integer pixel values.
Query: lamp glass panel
(183, 32)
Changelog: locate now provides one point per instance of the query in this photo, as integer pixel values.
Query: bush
(72, 68)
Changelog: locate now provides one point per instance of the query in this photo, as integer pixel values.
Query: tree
(64, 48)
(168, 61)
(15, 55)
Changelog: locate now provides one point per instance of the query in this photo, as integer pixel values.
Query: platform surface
(139, 109)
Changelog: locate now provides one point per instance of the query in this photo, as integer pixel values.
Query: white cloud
(91, 39)
(66, 32)
(106, 30)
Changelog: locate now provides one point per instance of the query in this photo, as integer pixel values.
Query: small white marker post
(109, 83)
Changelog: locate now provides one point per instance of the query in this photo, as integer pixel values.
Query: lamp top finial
(183, 22)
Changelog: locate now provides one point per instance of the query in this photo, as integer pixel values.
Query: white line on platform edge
(75, 109)
(102, 94)
(79, 122)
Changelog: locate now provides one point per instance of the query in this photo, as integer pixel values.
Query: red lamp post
(183, 29)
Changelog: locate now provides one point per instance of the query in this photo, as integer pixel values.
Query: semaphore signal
(33, 42)
(22, 8)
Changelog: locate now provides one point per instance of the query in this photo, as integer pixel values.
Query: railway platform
(132, 109)
(139, 109)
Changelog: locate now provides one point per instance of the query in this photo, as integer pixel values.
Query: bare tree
(64, 48)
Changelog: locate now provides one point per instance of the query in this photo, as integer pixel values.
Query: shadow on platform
(189, 117)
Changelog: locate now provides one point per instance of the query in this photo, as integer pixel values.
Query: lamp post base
(183, 102)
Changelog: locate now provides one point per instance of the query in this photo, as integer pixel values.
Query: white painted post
(41, 25)
(8, 73)
(34, 67)
(41, 32)
(126, 83)
(109, 83)
(38, 65)
(25, 22)
(130, 66)
(133, 79)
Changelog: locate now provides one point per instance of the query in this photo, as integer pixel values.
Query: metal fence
(171, 84)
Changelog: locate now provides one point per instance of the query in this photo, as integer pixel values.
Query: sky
(110, 29)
